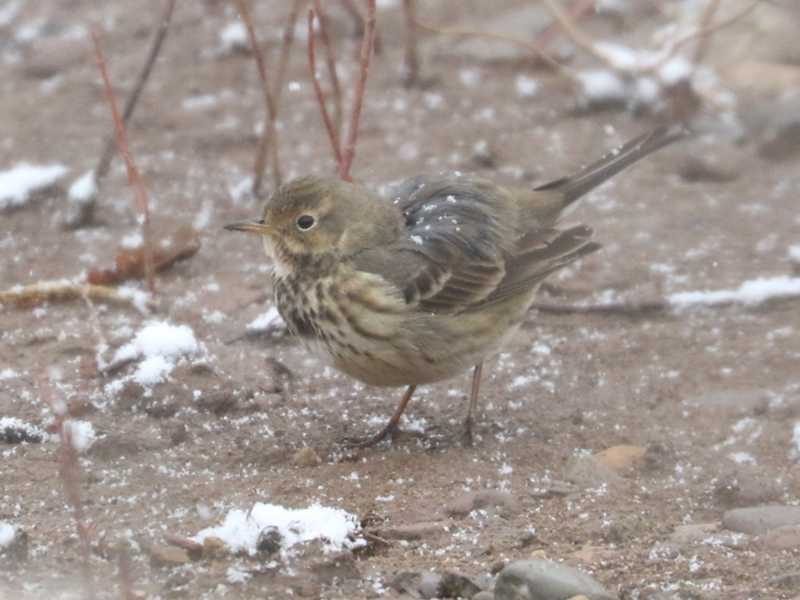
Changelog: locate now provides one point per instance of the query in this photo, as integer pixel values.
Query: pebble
(167, 556)
(622, 459)
(466, 503)
(413, 531)
(686, 535)
(747, 485)
(782, 538)
(757, 520)
(588, 472)
(306, 457)
(433, 585)
(546, 580)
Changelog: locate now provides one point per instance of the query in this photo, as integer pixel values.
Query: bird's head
(313, 216)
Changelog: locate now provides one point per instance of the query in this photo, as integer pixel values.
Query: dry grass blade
(367, 45)
(85, 214)
(49, 291)
(330, 60)
(134, 178)
(268, 140)
(333, 135)
(411, 64)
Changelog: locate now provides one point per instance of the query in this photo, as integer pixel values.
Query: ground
(711, 395)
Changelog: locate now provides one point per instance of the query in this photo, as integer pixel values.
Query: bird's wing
(460, 233)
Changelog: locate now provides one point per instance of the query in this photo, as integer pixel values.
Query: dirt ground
(710, 395)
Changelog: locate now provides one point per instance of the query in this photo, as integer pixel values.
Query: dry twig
(330, 128)
(268, 140)
(411, 64)
(283, 59)
(367, 45)
(85, 213)
(134, 178)
(330, 60)
(47, 291)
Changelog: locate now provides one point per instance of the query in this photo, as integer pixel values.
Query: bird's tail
(573, 187)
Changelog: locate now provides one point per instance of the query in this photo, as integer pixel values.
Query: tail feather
(573, 187)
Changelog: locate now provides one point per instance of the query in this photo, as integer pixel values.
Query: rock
(269, 541)
(167, 556)
(587, 471)
(757, 520)
(622, 459)
(465, 504)
(413, 531)
(686, 535)
(454, 585)
(418, 585)
(747, 485)
(213, 547)
(306, 457)
(546, 580)
(782, 538)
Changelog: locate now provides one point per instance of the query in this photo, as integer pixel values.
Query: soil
(710, 394)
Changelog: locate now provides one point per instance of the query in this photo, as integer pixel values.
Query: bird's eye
(305, 222)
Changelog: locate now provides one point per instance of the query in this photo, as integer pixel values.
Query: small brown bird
(420, 287)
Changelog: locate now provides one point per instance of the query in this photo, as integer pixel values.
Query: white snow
(132, 240)
(17, 183)
(267, 321)
(742, 458)
(602, 85)
(84, 188)
(136, 296)
(15, 423)
(7, 533)
(794, 253)
(160, 345)
(753, 291)
(81, 434)
(526, 86)
(233, 37)
(9, 11)
(335, 527)
(795, 452)
(8, 374)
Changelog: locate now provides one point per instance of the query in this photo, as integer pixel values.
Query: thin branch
(51, 291)
(134, 178)
(367, 44)
(269, 135)
(333, 136)
(411, 61)
(578, 9)
(85, 213)
(283, 59)
(534, 49)
(330, 59)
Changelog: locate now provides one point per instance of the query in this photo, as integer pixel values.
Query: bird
(433, 280)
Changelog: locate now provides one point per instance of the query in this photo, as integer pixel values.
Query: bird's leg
(473, 402)
(391, 426)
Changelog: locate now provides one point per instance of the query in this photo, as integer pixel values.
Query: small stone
(622, 459)
(413, 531)
(454, 585)
(465, 504)
(306, 457)
(586, 471)
(269, 541)
(685, 535)
(168, 556)
(546, 580)
(758, 520)
(213, 547)
(746, 485)
(418, 585)
(782, 538)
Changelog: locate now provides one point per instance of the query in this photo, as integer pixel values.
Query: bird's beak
(253, 226)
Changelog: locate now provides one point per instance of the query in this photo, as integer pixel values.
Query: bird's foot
(466, 436)
(389, 432)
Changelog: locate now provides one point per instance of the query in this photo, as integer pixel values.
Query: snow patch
(7, 533)
(19, 182)
(8, 374)
(526, 86)
(15, 426)
(81, 434)
(795, 451)
(336, 528)
(233, 37)
(83, 189)
(753, 291)
(267, 321)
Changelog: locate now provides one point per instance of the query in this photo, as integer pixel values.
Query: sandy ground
(710, 395)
